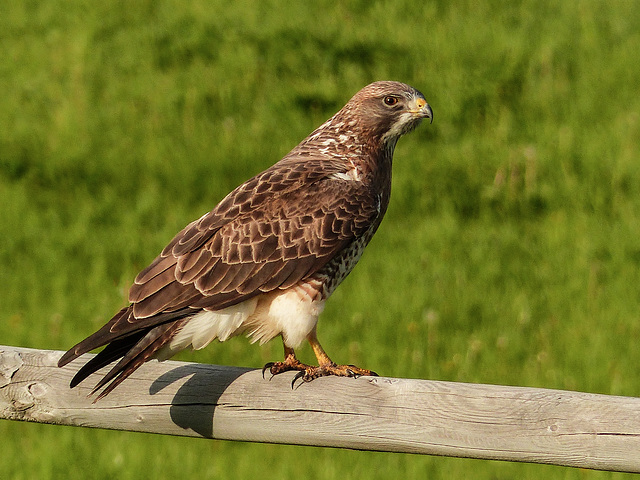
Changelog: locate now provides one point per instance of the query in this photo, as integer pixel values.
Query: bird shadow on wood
(195, 401)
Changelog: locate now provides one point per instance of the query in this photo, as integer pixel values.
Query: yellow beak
(423, 109)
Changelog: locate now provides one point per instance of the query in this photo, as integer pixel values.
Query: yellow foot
(290, 363)
(306, 373)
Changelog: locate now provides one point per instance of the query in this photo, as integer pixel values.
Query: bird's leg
(326, 366)
(308, 372)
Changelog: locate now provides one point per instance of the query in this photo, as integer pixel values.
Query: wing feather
(207, 283)
(140, 291)
(168, 298)
(237, 276)
(159, 265)
(260, 274)
(187, 273)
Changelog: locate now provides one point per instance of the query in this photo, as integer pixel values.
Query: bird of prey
(266, 258)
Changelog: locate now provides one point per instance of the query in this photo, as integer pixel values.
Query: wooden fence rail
(385, 414)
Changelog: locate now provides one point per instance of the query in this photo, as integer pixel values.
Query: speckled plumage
(265, 259)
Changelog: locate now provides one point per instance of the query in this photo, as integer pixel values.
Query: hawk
(267, 257)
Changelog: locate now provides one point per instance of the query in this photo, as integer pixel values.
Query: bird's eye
(390, 100)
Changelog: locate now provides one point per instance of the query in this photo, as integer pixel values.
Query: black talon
(300, 374)
(266, 367)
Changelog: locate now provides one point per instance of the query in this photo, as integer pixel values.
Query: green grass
(510, 253)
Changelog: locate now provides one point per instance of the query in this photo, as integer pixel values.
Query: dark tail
(132, 346)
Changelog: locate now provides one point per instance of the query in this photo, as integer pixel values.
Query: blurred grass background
(510, 253)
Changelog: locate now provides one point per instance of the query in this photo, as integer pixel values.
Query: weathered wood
(385, 414)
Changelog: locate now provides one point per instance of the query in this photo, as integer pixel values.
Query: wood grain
(385, 414)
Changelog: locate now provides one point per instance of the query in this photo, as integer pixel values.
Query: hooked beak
(423, 109)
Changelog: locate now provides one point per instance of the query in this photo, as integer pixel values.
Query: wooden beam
(385, 414)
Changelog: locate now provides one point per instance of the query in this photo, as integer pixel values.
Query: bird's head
(388, 110)
(370, 123)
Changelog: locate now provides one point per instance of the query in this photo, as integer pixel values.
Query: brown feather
(205, 263)
(165, 299)
(207, 282)
(159, 265)
(139, 291)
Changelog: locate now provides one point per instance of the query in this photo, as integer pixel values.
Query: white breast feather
(290, 313)
(352, 175)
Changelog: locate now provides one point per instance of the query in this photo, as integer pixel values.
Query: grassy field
(510, 253)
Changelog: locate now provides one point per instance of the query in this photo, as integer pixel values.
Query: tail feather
(122, 325)
(128, 339)
(115, 350)
(95, 340)
(142, 351)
